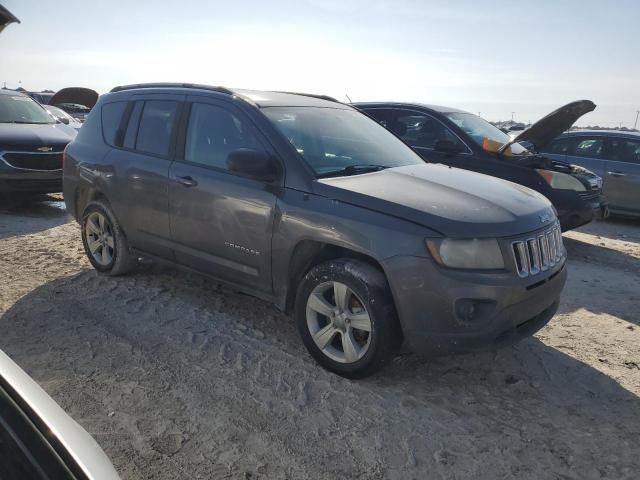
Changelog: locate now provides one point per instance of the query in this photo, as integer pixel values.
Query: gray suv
(307, 203)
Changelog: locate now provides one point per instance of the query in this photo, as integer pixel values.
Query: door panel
(142, 169)
(622, 176)
(221, 223)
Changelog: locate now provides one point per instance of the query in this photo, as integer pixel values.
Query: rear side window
(112, 120)
(625, 150)
(156, 127)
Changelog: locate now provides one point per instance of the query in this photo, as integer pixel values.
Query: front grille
(590, 194)
(538, 253)
(34, 161)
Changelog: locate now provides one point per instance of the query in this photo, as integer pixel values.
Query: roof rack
(313, 95)
(172, 85)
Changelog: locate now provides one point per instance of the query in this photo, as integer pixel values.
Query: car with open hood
(464, 140)
(31, 146)
(305, 202)
(76, 101)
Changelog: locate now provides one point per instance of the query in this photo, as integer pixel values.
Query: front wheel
(104, 241)
(346, 317)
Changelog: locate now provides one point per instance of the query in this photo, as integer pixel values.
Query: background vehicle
(31, 146)
(63, 117)
(464, 140)
(76, 101)
(358, 240)
(41, 97)
(38, 439)
(611, 154)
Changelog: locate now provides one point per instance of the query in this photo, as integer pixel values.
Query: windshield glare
(22, 109)
(331, 140)
(480, 130)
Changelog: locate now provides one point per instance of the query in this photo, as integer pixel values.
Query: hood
(22, 137)
(541, 133)
(457, 203)
(79, 95)
(6, 18)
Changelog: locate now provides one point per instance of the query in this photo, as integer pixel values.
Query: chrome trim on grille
(538, 254)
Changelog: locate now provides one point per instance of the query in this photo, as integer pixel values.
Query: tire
(104, 241)
(335, 332)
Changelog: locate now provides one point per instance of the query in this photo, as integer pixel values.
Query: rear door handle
(617, 174)
(186, 181)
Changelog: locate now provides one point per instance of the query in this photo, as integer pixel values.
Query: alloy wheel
(100, 238)
(338, 322)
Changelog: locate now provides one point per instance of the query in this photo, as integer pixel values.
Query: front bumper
(581, 211)
(29, 181)
(507, 309)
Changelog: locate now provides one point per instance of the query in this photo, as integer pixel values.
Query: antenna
(346, 95)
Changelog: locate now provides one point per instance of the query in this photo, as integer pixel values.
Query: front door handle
(186, 181)
(617, 174)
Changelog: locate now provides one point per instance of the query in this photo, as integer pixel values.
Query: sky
(492, 57)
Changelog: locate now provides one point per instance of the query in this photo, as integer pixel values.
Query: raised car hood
(19, 136)
(457, 203)
(541, 133)
(80, 95)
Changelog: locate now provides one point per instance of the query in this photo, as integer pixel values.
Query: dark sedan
(31, 146)
(464, 140)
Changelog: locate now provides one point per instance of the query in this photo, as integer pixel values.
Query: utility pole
(635, 125)
(479, 114)
(512, 116)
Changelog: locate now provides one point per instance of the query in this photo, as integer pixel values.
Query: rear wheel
(104, 241)
(346, 317)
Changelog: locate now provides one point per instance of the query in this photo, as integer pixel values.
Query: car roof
(258, 98)
(435, 108)
(4, 91)
(592, 131)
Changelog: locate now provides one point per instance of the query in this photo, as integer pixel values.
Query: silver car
(611, 154)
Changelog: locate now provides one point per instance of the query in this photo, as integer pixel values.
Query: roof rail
(313, 95)
(171, 85)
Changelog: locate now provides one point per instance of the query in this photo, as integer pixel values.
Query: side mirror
(253, 164)
(63, 120)
(447, 147)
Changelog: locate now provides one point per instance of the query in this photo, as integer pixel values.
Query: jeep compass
(310, 204)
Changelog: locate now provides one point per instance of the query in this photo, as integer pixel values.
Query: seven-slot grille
(539, 252)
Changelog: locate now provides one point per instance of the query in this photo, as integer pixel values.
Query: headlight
(561, 181)
(480, 254)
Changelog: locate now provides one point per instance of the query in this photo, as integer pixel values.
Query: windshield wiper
(22, 122)
(353, 170)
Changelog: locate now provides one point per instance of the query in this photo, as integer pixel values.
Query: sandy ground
(177, 377)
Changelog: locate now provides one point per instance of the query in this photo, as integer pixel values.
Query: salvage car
(612, 154)
(38, 440)
(31, 146)
(306, 202)
(464, 140)
(76, 101)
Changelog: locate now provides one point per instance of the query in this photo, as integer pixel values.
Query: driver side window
(213, 133)
(421, 130)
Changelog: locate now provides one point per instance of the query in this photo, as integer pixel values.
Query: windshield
(22, 109)
(483, 133)
(59, 113)
(340, 142)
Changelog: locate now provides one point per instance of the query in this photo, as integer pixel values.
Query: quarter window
(625, 150)
(423, 131)
(213, 133)
(156, 127)
(111, 122)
